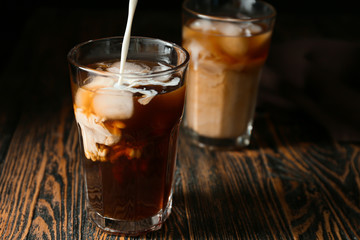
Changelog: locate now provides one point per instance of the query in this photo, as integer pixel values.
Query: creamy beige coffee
(224, 72)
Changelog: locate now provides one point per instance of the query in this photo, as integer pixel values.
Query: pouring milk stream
(126, 39)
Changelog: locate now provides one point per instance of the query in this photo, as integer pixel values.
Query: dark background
(15, 14)
(312, 66)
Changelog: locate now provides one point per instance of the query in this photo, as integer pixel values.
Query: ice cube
(250, 29)
(85, 93)
(201, 24)
(210, 70)
(234, 46)
(228, 29)
(130, 67)
(254, 28)
(112, 103)
(83, 98)
(96, 82)
(225, 28)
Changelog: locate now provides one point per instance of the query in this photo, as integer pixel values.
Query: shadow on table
(270, 190)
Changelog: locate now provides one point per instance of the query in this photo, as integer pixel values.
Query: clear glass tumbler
(228, 42)
(128, 126)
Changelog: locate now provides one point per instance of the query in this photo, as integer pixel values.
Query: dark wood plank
(317, 190)
(58, 213)
(303, 190)
(21, 183)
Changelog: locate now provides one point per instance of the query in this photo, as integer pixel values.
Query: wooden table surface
(295, 181)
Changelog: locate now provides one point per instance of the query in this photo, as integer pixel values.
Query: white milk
(126, 40)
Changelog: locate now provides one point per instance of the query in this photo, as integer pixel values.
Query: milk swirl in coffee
(129, 124)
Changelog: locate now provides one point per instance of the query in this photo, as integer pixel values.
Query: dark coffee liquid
(135, 181)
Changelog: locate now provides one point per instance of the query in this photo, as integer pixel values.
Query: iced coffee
(227, 55)
(128, 125)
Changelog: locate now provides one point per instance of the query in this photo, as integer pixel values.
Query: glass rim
(71, 60)
(231, 19)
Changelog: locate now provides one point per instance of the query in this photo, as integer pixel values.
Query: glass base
(130, 228)
(220, 143)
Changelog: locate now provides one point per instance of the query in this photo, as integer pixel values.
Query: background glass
(228, 42)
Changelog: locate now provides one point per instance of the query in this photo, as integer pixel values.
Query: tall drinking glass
(228, 42)
(128, 126)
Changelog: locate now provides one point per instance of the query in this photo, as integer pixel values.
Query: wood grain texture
(292, 182)
(281, 188)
